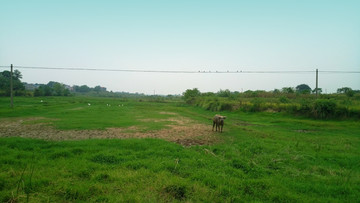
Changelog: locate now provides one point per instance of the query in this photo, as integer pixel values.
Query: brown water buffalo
(218, 121)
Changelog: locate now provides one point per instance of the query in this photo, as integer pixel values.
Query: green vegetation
(260, 156)
(18, 87)
(52, 89)
(300, 103)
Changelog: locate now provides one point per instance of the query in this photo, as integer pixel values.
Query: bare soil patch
(182, 130)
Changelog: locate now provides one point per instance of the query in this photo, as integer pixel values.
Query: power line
(178, 71)
(334, 71)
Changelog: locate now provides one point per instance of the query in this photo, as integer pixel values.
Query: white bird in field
(89, 104)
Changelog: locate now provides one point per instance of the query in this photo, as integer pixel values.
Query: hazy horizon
(183, 36)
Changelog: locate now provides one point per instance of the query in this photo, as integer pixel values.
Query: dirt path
(184, 131)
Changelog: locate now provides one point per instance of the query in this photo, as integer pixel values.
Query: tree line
(50, 89)
(58, 89)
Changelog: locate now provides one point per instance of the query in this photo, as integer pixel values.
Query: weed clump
(85, 174)
(176, 191)
(103, 177)
(242, 165)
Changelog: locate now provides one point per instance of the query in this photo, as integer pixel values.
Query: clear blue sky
(195, 35)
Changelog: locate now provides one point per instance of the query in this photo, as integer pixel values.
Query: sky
(186, 35)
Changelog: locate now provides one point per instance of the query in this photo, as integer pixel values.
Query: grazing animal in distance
(218, 122)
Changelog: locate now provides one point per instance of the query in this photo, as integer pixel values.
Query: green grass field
(259, 156)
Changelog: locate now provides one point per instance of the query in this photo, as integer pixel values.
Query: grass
(260, 157)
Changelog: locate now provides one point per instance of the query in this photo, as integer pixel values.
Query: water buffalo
(218, 121)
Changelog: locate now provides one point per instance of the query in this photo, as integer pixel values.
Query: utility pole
(317, 79)
(11, 87)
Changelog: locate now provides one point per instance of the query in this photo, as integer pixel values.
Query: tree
(343, 90)
(319, 90)
(84, 88)
(350, 93)
(38, 92)
(347, 90)
(59, 89)
(51, 84)
(17, 74)
(224, 93)
(276, 91)
(48, 91)
(287, 90)
(303, 89)
(97, 89)
(190, 95)
(66, 92)
(5, 77)
(52, 89)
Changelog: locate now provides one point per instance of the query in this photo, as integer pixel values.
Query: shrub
(284, 100)
(256, 105)
(211, 104)
(226, 106)
(176, 191)
(324, 108)
(305, 107)
(350, 93)
(191, 95)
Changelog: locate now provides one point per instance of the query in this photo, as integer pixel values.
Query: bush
(284, 100)
(350, 93)
(256, 105)
(305, 107)
(324, 108)
(226, 107)
(176, 191)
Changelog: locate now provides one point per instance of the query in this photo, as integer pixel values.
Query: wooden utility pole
(317, 79)
(11, 87)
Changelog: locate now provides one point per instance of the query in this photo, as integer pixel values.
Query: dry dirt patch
(182, 130)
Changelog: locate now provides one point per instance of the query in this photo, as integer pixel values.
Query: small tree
(276, 91)
(97, 89)
(82, 88)
(287, 90)
(190, 95)
(347, 90)
(319, 90)
(343, 90)
(38, 92)
(350, 93)
(224, 93)
(48, 91)
(66, 92)
(59, 89)
(303, 89)
(5, 77)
